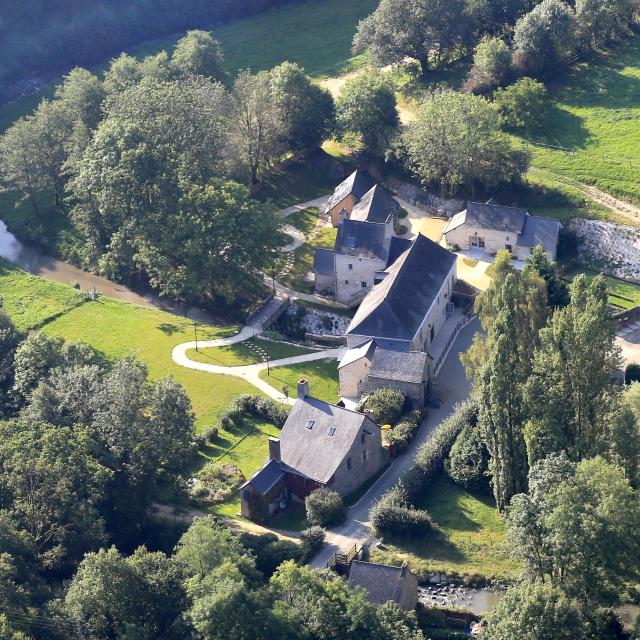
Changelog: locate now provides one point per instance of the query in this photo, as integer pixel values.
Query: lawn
(32, 301)
(471, 539)
(316, 34)
(321, 374)
(596, 112)
(304, 220)
(248, 352)
(303, 259)
(625, 295)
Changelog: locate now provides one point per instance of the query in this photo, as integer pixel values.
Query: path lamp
(268, 367)
(195, 330)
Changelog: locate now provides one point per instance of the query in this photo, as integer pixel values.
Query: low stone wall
(326, 339)
(614, 248)
(427, 201)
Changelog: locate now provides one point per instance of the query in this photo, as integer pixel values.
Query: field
(596, 112)
(303, 259)
(315, 34)
(321, 374)
(471, 539)
(625, 295)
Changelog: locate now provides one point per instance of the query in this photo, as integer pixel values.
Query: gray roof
(324, 262)
(375, 206)
(395, 308)
(362, 240)
(353, 355)
(403, 366)
(314, 452)
(265, 479)
(397, 248)
(358, 183)
(383, 583)
(542, 231)
(489, 216)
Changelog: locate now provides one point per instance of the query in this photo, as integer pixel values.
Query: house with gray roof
(362, 249)
(320, 445)
(492, 227)
(347, 194)
(407, 308)
(384, 583)
(376, 205)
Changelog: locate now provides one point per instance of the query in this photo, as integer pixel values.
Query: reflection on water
(478, 601)
(10, 248)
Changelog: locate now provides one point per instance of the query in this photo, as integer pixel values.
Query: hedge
(394, 515)
(256, 406)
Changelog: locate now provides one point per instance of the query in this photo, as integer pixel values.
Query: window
(509, 248)
(348, 463)
(364, 284)
(310, 424)
(346, 282)
(332, 431)
(350, 242)
(350, 267)
(364, 456)
(432, 333)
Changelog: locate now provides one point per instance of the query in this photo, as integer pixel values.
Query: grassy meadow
(321, 374)
(470, 540)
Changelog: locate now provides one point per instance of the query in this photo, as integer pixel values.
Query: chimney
(303, 388)
(403, 569)
(274, 449)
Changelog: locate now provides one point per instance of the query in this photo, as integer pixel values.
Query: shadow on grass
(169, 329)
(563, 129)
(433, 547)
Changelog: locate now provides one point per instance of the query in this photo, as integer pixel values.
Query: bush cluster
(468, 462)
(270, 552)
(255, 406)
(394, 515)
(325, 508)
(405, 431)
(312, 540)
(386, 405)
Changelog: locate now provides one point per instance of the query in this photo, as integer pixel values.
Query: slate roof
(353, 355)
(362, 240)
(542, 231)
(375, 206)
(313, 452)
(397, 248)
(324, 262)
(265, 479)
(489, 216)
(398, 365)
(358, 183)
(383, 583)
(395, 308)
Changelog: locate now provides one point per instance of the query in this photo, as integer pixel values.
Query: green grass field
(304, 220)
(303, 256)
(243, 353)
(625, 295)
(322, 376)
(596, 111)
(471, 539)
(316, 34)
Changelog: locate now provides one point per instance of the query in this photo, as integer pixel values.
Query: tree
(366, 107)
(419, 29)
(8, 344)
(199, 53)
(568, 392)
(260, 128)
(543, 37)
(457, 141)
(602, 19)
(82, 94)
(491, 65)
(124, 72)
(578, 528)
(53, 488)
(34, 359)
(523, 106)
(324, 507)
(307, 109)
(468, 462)
(397, 624)
(538, 263)
(116, 597)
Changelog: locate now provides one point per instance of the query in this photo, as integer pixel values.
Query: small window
(332, 431)
(348, 463)
(350, 267)
(364, 456)
(310, 424)
(346, 282)
(364, 284)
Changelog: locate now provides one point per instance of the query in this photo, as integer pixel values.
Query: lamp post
(268, 367)
(195, 330)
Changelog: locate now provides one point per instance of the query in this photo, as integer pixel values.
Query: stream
(478, 601)
(34, 261)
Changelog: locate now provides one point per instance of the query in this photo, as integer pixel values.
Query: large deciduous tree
(199, 53)
(456, 141)
(601, 19)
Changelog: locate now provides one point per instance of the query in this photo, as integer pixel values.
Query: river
(34, 261)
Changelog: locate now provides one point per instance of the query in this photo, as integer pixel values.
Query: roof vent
(332, 431)
(310, 424)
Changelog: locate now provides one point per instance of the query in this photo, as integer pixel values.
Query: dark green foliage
(386, 405)
(402, 435)
(312, 541)
(393, 515)
(632, 373)
(255, 406)
(198, 54)
(539, 263)
(523, 106)
(468, 462)
(270, 552)
(324, 508)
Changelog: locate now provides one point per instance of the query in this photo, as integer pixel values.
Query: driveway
(629, 342)
(451, 387)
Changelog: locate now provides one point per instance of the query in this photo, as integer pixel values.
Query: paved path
(318, 203)
(451, 387)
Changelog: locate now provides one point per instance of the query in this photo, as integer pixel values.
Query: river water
(478, 601)
(32, 260)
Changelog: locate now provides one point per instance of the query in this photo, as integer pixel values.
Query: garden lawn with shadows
(470, 540)
(321, 374)
(596, 111)
(245, 353)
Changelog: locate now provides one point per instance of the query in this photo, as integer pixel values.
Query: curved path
(251, 372)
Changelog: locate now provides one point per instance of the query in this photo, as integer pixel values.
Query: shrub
(312, 541)
(491, 65)
(324, 508)
(270, 551)
(200, 441)
(220, 479)
(386, 405)
(468, 461)
(256, 406)
(523, 105)
(402, 435)
(632, 373)
(393, 515)
(211, 434)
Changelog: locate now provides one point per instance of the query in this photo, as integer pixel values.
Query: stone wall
(613, 248)
(435, 205)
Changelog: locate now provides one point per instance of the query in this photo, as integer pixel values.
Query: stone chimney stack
(274, 449)
(403, 569)
(303, 389)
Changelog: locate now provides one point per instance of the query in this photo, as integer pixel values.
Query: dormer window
(310, 424)
(332, 431)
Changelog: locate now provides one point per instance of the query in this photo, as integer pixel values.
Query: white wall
(353, 377)
(494, 240)
(349, 279)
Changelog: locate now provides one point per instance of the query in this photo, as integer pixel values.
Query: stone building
(320, 445)
(491, 227)
(384, 583)
(347, 194)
